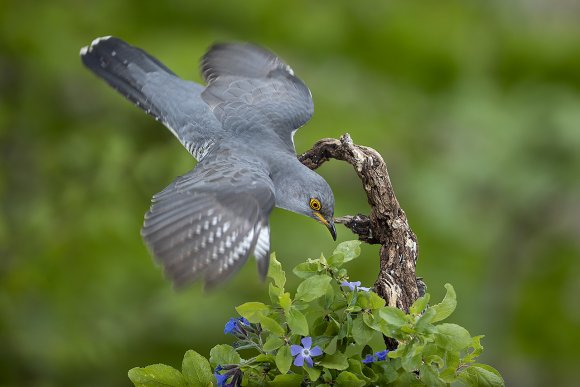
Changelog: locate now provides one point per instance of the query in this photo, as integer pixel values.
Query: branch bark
(386, 224)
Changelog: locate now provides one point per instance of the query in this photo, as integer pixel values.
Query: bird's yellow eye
(315, 204)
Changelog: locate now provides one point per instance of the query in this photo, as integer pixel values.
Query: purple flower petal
(309, 361)
(316, 351)
(362, 288)
(348, 285)
(299, 361)
(307, 342)
(295, 349)
(356, 283)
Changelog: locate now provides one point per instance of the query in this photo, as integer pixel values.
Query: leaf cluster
(343, 319)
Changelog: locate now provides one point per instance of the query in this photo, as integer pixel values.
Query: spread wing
(150, 85)
(249, 87)
(207, 222)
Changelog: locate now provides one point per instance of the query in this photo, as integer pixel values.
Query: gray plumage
(240, 128)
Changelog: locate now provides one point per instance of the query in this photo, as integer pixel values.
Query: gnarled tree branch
(386, 224)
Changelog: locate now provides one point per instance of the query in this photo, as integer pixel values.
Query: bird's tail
(125, 68)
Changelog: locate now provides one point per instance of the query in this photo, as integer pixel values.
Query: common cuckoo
(240, 127)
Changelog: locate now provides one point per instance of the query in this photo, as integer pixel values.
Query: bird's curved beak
(328, 223)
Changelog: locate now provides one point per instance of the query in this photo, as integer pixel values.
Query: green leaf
(447, 306)
(313, 373)
(452, 337)
(156, 375)
(307, 269)
(481, 375)
(312, 288)
(420, 304)
(297, 322)
(253, 311)
(273, 342)
(375, 301)
(423, 323)
(412, 357)
(290, 380)
(196, 369)
(274, 292)
(275, 272)
(285, 301)
(449, 374)
(348, 379)
(336, 260)
(350, 250)
(477, 349)
(223, 354)
(393, 316)
(361, 333)
(331, 347)
(337, 361)
(429, 376)
(271, 325)
(284, 359)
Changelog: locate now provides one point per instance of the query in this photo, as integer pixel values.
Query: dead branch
(386, 224)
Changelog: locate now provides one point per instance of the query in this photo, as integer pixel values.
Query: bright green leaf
(223, 354)
(253, 311)
(271, 325)
(423, 323)
(481, 375)
(336, 260)
(313, 373)
(307, 269)
(349, 249)
(337, 361)
(331, 347)
(285, 301)
(275, 272)
(274, 292)
(447, 306)
(273, 342)
(477, 349)
(297, 322)
(393, 316)
(284, 359)
(196, 369)
(349, 379)
(452, 337)
(420, 304)
(289, 380)
(156, 375)
(429, 376)
(361, 333)
(375, 301)
(312, 288)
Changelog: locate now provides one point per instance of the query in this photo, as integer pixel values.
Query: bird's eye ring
(315, 204)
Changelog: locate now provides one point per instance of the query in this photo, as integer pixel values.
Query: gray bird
(240, 128)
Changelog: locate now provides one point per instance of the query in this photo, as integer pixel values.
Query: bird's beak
(328, 223)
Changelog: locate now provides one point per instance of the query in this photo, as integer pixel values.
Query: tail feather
(125, 68)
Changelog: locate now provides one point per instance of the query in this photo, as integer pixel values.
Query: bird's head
(310, 195)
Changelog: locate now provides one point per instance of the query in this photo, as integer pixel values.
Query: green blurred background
(475, 106)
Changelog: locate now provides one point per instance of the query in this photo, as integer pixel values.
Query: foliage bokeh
(474, 106)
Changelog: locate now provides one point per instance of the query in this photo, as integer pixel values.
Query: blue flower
(354, 285)
(378, 356)
(221, 379)
(368, 359)
(305, 353)
(235, 325)
(382, 355)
